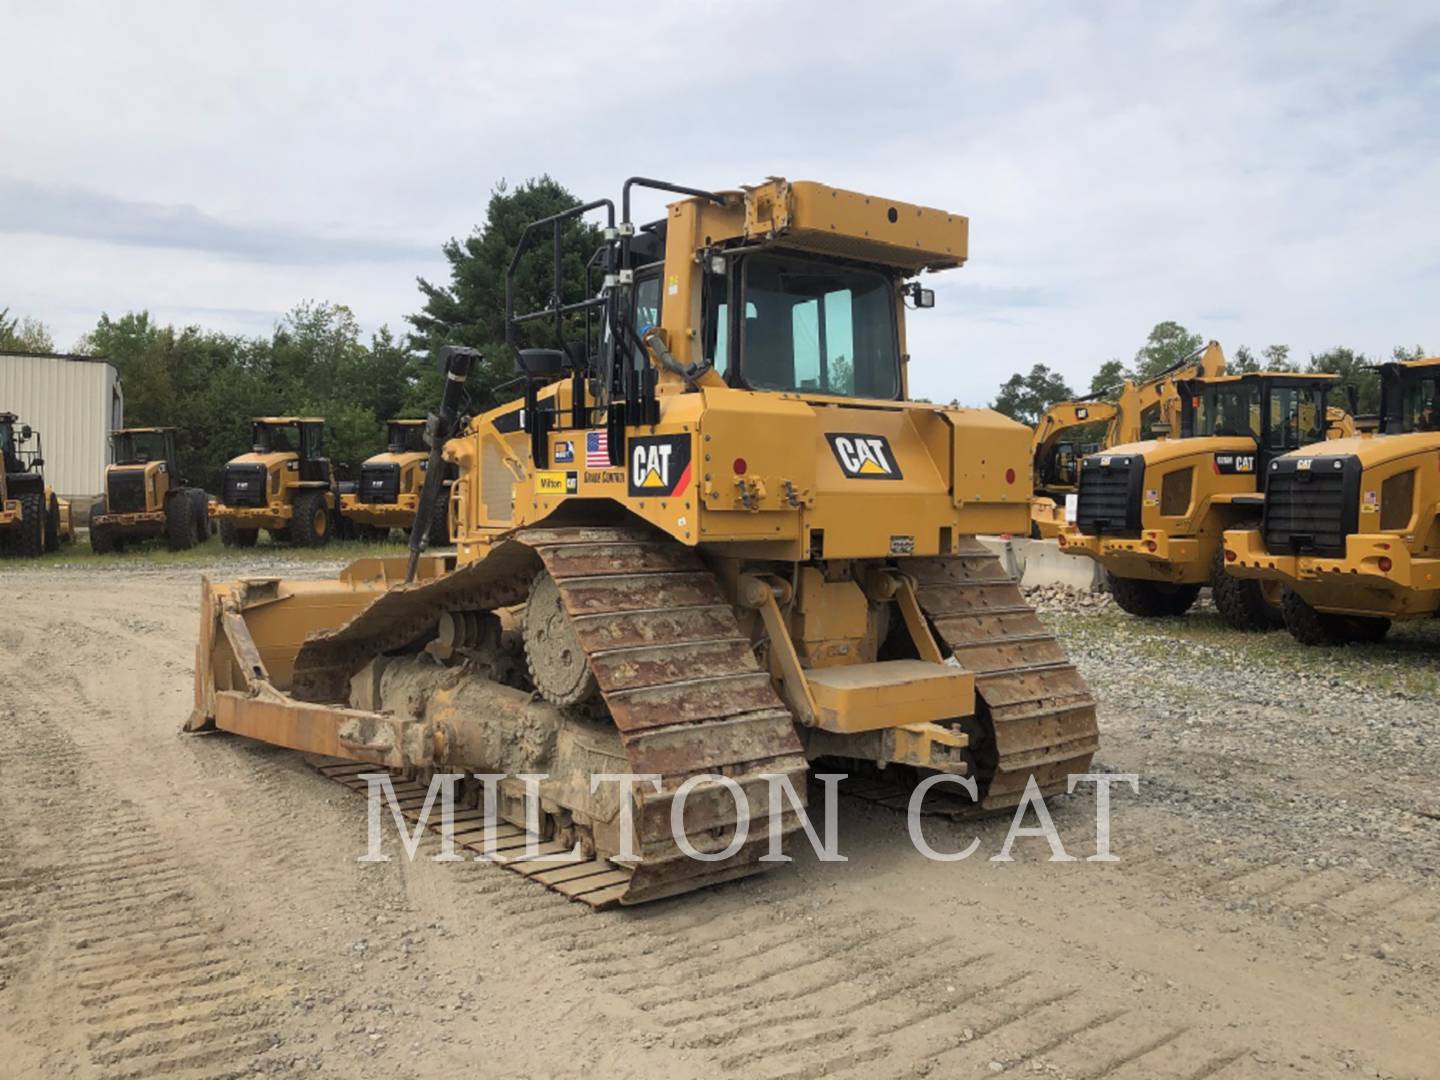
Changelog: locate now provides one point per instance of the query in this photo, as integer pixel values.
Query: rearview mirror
(920, 297)
(25, 432)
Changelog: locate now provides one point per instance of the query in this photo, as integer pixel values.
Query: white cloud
(1260, 173)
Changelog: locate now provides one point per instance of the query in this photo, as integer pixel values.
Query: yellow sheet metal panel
(992, 470)
(892, 693)
(858, 226)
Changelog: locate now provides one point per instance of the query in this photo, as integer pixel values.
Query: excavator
(712, 544)
(1128, 414)
(1350, 530)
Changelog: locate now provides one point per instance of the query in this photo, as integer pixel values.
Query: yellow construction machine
(1153, 512)
(712, 543)
(388, 493)
(1127, 418)
(1351, 529)
(33, 519)
(285, 485)
(145, 497)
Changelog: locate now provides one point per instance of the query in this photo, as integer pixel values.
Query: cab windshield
(276, 439)
(406, 438)
(818, 327)
(1229, 409)
(139, 447)
(1422, 397)
(1297, 417)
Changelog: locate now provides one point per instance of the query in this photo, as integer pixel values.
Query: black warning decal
(864, 457)
(658, 465)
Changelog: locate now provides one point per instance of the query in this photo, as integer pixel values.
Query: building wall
(74, 402)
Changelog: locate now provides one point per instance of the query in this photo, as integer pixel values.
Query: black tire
(1151, 599)
(1311, 627)
(231, 536)
(102, 539)
(28, 540)
(179, 521)
(439, 535)
(1241, 601)
(311, 524)
(200, 507)
(52, 524)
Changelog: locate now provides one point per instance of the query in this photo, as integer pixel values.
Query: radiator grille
(1109, 495)
(244, 485)
(1310, 510)
(125, 491)
(379, 483)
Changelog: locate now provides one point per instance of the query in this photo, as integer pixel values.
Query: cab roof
(277, 420)
(142, 430)
(1303, 376)
(407, 422)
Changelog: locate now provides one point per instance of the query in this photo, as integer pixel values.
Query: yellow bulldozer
(1351, 529)
(388, 492)
(714, 542)
(33, 519)
(145, 496)
(1127, 418)
(284, 485)
(1153, 512)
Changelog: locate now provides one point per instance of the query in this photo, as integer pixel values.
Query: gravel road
(181, 905)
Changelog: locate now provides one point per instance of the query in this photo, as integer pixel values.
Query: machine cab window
(1422, 404)
(818, 327)
(141, 447)
(1228, 409)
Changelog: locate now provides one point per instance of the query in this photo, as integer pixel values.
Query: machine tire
(1311, 627)
(200, 507)
(231, 536)
(439, 534)
(1151, 599)
(1241, 601)
(312, 522)
(102, 539)
(179, 521)
(52, 524)
(29, 539)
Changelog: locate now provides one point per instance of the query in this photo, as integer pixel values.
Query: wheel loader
(388, 492)
(1153, 512)
(1351, 529)
(284, 485)
(712, 544)
(33, 519)
(1127, 419)
(145, 496)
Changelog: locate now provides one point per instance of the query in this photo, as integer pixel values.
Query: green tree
(1168, 344)
(1109, 379)
(470, 310)
(1354, 369)
(25, 334)
(1026, 397)
(1271, 358)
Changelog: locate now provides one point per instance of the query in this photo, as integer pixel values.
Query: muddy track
(204, 914)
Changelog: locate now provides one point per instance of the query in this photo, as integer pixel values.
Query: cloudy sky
(1261, 173)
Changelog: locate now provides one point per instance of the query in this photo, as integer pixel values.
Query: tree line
(1026, 396)
(318, 362)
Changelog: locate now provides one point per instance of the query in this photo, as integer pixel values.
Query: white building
(74, 402)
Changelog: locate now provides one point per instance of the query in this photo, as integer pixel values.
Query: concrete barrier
(1009, 551)
(1046, 564)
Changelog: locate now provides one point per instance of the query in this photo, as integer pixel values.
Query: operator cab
(17, 459)
(1410, 397)
(1279, 412)
(140, 446)
(406, 437)
(302, 436)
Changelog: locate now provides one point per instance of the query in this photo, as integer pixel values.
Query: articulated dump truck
(1351, 529)
(714, 538)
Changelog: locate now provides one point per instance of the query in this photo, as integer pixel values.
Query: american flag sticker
(597, 450)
